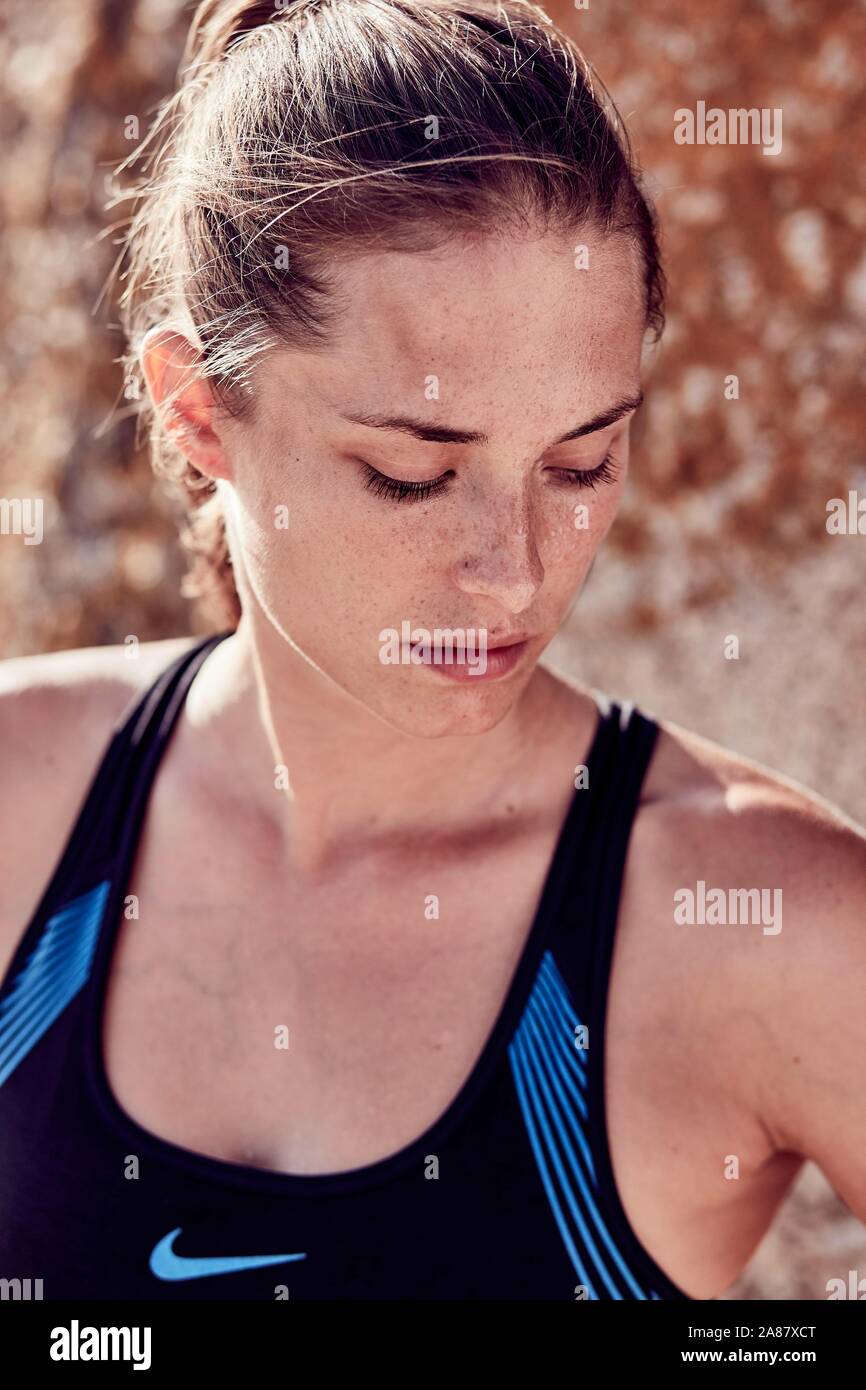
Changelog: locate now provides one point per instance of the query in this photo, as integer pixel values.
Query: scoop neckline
(407, 1157)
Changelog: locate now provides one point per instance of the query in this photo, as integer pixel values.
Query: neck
(333, 777)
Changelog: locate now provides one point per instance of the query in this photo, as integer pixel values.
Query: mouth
(496, 660)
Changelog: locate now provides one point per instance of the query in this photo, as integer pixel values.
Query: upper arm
(815, 1099)
(777, 1004)
(795, 984)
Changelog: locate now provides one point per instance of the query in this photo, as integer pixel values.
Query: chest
(311, 1027)
(315, 1029)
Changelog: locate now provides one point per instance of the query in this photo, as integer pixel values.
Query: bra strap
(585, 930)
(114, 802)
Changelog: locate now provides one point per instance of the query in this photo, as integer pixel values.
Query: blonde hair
(303, 129)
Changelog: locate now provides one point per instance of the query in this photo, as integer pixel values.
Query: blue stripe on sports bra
(56, 969)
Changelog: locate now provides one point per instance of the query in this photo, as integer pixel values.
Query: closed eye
(604, 472)
(402, 490)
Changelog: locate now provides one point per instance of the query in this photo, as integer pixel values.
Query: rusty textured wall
(724, 530)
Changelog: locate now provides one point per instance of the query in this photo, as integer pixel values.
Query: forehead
(493, 322)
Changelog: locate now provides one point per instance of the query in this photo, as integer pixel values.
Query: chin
(451, 713)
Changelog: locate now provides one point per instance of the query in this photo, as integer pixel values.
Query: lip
(501, 659)
(517, 639)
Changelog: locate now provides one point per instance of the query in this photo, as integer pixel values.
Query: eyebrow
(442, 434)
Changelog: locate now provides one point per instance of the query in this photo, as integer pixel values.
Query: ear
(183, 397)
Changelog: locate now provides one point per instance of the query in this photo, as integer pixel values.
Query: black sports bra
(509, 1194)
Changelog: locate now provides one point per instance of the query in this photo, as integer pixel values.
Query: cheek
(297, 525)
(342, 565)
(577, 522)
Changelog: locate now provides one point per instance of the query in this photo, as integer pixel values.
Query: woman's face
(458, 374)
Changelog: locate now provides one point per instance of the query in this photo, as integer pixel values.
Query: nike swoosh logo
(165, 1264)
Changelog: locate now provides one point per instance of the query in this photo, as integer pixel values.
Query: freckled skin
(523, 347)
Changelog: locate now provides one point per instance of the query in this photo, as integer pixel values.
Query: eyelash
(401, 491)
(604, 472)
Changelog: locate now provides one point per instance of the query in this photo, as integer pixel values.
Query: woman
(321, 999)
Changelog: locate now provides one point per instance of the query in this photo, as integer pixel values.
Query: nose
(501, 560)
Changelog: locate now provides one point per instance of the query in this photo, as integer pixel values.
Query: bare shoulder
(753, 891)
(711, 810)
(57, 708)
(715, 808)
(57, 712)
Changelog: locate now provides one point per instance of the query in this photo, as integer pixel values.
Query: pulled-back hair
(309, 131)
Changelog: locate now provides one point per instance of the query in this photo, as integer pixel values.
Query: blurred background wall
(724, 528)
